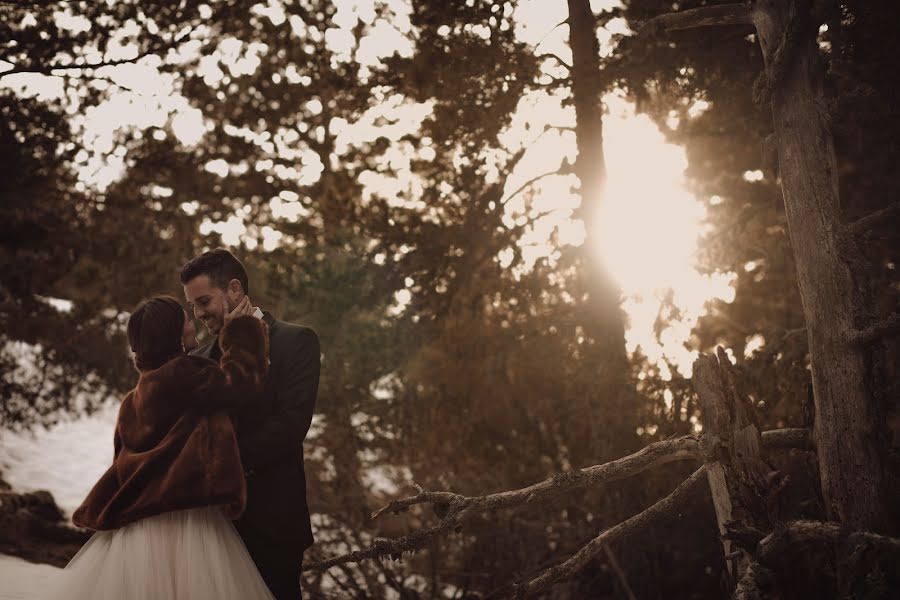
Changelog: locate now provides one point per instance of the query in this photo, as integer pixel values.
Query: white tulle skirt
(183, 555)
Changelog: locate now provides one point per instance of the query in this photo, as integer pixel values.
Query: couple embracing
(206, 495)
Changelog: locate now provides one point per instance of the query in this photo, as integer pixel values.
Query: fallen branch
(455, 510)
(665, 506)
(658, 453)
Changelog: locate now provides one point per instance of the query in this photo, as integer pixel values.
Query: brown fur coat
(175, 445)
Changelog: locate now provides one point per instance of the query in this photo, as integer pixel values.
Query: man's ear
(235, 291)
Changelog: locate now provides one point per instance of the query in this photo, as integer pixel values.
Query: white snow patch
(66, 459)
(22, 580)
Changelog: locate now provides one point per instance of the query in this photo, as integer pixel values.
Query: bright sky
(649, 223)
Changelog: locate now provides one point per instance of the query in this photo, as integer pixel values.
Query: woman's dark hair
(220, 265)
(154, 332)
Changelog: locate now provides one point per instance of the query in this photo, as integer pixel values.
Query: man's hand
(244, 307)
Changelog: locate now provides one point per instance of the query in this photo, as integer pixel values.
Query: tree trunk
(606, 328)
(590, 165)
(739, 480)
(848, 424)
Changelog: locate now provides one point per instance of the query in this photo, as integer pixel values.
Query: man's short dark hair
(220, 265)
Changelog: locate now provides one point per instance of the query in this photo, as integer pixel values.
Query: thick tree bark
(739, 480)
(848, 426)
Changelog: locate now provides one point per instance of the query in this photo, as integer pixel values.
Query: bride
(162, 512)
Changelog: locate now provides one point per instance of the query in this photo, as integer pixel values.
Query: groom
(270, 429)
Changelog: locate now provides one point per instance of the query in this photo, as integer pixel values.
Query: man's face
(210, 303)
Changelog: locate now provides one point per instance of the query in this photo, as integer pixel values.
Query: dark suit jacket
(270, 433)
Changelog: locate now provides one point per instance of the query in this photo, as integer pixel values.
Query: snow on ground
(22, 580)
(65, 460)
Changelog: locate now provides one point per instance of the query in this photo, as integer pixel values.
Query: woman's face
(188, 334)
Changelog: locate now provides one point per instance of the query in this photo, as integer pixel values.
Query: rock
(33, 527)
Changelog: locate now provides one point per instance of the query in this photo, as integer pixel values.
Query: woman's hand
(244, 307)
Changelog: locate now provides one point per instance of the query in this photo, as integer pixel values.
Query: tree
(869, 510)
(849, 422)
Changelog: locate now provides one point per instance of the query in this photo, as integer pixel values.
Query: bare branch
(531, 219)
(398, 506)
(564, 170)
(803, 531)
(665, 506)
(788, 438)
(557, 58)
(102, 78)
(511, 166)
(873, 220)
(554, 83)
(707, 16)
(658, 453)
(461, 509)
(389, 547)
(458, 509)
(554, 28)
(48, 69)
(888, 326)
